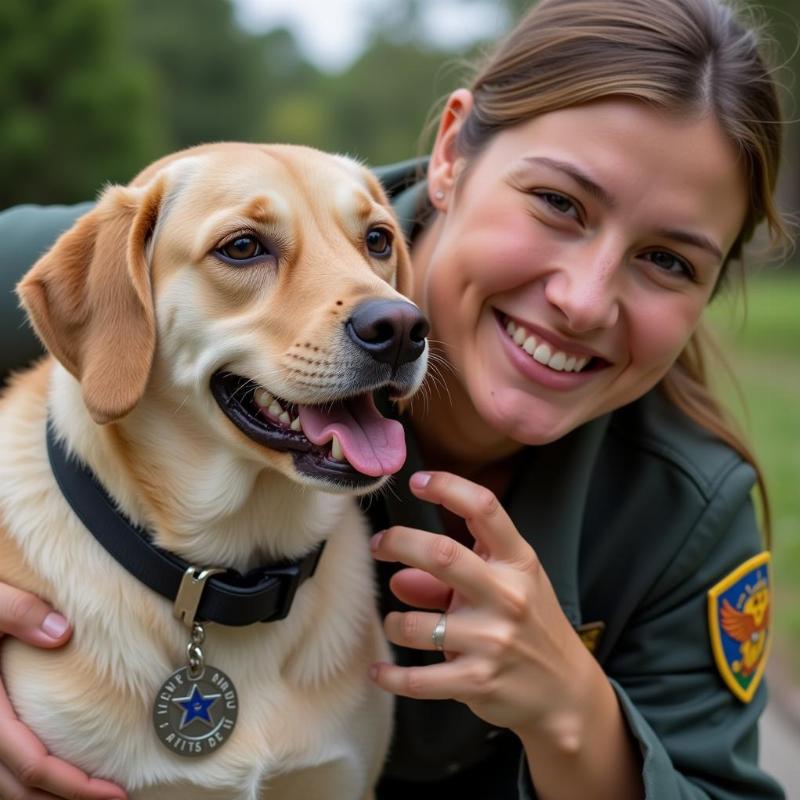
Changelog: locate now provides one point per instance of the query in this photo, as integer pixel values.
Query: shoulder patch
(739, 609)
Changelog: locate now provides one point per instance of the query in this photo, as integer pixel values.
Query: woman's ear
(446, 163)
(90, 300)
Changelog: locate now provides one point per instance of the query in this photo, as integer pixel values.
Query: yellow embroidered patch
(739, 609)
(590, 633)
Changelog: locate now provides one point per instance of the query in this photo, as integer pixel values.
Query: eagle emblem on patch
(739, 608)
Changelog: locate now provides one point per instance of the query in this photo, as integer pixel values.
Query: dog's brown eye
(379, 242)
(243, 248)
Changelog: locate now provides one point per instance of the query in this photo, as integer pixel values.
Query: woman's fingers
(451, 564)
(461, 679)
(463, 631)
(486, 518)
(27, 617)
(414, 587)
(443, 557)
(27, 770)
(27, 766)
(10, 788)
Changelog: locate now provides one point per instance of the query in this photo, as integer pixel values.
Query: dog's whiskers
(244, 388)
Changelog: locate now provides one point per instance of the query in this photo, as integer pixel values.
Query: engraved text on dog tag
(194, 716)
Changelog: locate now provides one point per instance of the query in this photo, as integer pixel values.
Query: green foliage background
(92, 90)
(76, 109)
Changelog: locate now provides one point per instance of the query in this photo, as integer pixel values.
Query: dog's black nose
(391, 331)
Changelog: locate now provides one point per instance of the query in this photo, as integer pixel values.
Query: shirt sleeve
(697, 740)
(26, 232)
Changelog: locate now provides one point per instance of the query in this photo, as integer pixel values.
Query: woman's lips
(554, 342)
(541, 361)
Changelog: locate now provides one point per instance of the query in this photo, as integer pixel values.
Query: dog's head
(263, 286)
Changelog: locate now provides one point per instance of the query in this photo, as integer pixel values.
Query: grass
(763, 346)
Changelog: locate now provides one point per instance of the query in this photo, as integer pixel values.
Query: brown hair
(683, 56)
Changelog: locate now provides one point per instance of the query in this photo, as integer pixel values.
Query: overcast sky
(332, 32)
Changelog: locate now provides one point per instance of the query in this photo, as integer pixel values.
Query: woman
(583, 203)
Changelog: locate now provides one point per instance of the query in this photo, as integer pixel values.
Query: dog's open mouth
(345, 440)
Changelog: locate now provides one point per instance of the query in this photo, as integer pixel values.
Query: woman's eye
(379, 242)
(560, 203)
(242, 248)
(670, 263)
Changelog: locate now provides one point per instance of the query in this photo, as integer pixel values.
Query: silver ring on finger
(439, 631)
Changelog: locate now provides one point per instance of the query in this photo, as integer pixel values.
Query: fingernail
(373, 672)
(419, 480)
(375, 541)
(54, 625)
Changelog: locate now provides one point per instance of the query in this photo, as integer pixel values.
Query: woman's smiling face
(570, 264)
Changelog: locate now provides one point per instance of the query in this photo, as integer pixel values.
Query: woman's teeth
(288, 418)
(555, 359)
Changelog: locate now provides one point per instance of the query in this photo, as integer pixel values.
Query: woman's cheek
(511, 259)
(661, 332)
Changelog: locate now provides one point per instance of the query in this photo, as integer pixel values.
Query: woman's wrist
(583, 748)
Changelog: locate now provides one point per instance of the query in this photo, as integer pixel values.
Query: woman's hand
(511, 654)
(27, 770)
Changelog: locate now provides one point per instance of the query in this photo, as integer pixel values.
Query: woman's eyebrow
(577, 175)
(694, 239)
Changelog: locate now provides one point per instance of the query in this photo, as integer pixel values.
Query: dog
(216, 331)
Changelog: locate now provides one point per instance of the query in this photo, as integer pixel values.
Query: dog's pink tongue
(371, 443)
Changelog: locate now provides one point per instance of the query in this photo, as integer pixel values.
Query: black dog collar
(264, 594)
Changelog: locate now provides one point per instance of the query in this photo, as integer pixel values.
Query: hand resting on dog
(28, 770)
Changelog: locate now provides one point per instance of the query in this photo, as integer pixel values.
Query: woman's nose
(586, 293)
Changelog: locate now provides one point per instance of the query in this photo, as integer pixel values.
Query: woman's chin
(526, 419)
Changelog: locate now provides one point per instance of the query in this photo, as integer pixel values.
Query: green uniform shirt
(634, 516)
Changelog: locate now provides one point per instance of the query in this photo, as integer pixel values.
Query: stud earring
(439, 194)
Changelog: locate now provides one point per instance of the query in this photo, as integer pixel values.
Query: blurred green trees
(75, 109)
(92, 90)
(213, 81)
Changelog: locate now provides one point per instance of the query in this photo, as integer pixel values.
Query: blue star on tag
(196, 706)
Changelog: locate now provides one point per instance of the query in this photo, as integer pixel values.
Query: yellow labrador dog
(182, 467)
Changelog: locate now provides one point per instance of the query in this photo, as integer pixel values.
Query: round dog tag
(194, 716)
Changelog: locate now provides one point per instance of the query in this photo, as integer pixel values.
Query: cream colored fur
(310, 724)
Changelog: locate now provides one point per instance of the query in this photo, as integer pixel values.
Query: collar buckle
(290, 577)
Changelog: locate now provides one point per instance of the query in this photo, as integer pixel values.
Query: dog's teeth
(263, 397)
(275, 409)
(295, 426)
(284, 418)
(337, 453)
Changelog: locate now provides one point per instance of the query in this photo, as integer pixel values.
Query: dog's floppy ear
(90, 300)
